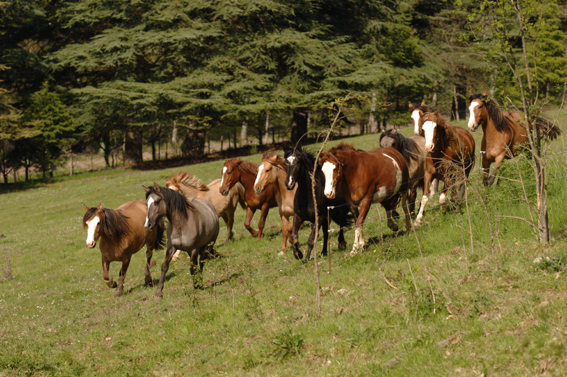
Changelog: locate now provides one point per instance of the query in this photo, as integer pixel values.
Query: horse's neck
(247, 179)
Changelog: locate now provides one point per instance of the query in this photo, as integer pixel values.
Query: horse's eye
(480, 107)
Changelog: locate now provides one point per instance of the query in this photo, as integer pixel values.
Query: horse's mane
(302, 155)
(279, 162)
(448, 132)
(113, 225)
(408, 147)
(500, 120)
(175, 200)
(344, 147)
(188, 180)
(246, 166)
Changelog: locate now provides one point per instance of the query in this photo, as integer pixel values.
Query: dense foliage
(130, 72)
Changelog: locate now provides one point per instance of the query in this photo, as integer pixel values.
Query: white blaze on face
(92, 223)
(222, 176)
(260, 170)
(150, 202)
(472, 118)
(290, 161)
(398, 174)
(429, 129)
(415, 116)
(328, 169)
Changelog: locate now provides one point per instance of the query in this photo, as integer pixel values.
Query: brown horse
(122, 234)
(235, 171)
(272, 172)
(191, 186)
(417, 111)
(414, 152)
(450, 152)
(501, 132)
(377, 176)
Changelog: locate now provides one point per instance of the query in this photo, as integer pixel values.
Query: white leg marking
(424, 200)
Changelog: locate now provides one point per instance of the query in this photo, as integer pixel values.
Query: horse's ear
(156, 187)
(470, 94)
(422, 103)
(86, 208)
(394, 131)
(410, 105)
(99, 206)
(436, 112)
(145, 188)
(484, 93)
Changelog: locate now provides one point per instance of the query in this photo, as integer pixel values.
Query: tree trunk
(105, 145)
(371, 118)
(434, 97)
(194, 144)
(71, 165)
(298, 124)
(244, 133)
(133, 141)
(266, 128)
(456, 102)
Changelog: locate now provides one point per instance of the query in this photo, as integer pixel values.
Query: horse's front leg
(228, 218)
(249, 215)
(122, 276)
(294, 238)
(497, 161)
(358, 244)
(262, 220)
(285, 233)
(407, 211)
(426, 185)
(164, 267)
(105, 268)
(485, 169)
(147, 272)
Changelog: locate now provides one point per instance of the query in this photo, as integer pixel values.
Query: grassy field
(440, 306)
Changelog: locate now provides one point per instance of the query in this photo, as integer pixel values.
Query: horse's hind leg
(294, 239)
(228, 218)
(197, 264)
(122, 276)
(248, 220)
(148, 273)
(105, 267)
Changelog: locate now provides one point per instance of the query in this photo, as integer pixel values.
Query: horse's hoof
(118, 294)
(395, 215)
(342, 245)
(159, 295)
(353, 253)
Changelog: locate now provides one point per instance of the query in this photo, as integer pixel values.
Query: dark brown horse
(416, 112)
(191, 186)
(193, 228)
(272, 172)
(502, 132)
(377, 176)
(122, 234)
(245, 172)
(450, 153)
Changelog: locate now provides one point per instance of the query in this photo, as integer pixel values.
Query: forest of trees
(89, 75)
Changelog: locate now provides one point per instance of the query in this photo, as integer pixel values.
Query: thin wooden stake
(328, 235)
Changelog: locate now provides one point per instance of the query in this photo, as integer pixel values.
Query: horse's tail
(160, 239)
(550, 130)
(241, 197)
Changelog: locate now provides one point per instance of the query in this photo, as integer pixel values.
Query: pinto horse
(272, 172)
(191, 186)
(414, 152)
(501, 132)
(193, 227)
(244, 172)
(450, 151)
(417, 111)
(362, 178)
(121, 235)
(300, 165)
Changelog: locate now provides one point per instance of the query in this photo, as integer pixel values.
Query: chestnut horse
(122, 234)
(501, 132)
(193, 227)
(377, 176)
(450, 152)
(417, 111)
(235, 171)
(300, 165)
(272, 172)
(413, 150)
(191, 186)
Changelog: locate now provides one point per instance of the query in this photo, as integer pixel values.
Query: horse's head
(229, 176)
(390, 139)
(267, 172)
(171, 183)
(332, 169)
(156, 206)
(477, 109)
(292, 167)
(416, 113)
(92, 221)
(432, 129)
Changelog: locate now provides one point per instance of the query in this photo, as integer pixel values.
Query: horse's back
(134, 210)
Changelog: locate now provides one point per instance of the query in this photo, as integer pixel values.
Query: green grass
(454, 310)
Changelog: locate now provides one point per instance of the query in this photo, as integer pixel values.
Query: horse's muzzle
(290, 185)
(224, 192)
(258, 190)
(430, 147)
(91, 245)
(149, 227)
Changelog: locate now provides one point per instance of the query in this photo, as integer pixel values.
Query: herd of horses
(340, 185)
